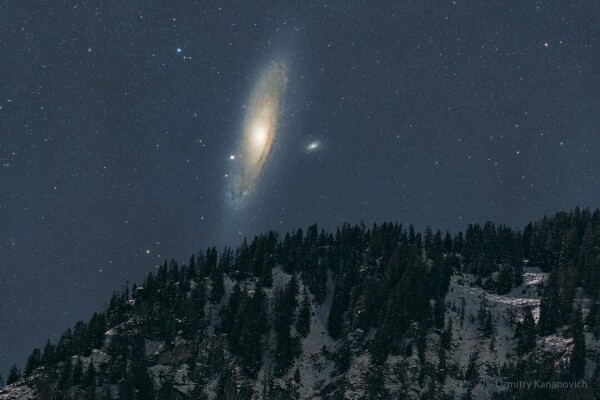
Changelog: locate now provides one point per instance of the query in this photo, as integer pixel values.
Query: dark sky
(114, 144)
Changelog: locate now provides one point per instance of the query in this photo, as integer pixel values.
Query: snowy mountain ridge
(381, 313)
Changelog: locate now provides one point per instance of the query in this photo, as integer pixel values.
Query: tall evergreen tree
(65, 376)
(549, 307)
(218, 287)
(89, 377)
(525, 333)
(191, 270)
(78, 371)
(49, 354)
(505, 279)
(578, 353)
(446, 337)
(33, 362)
(472, 373)
(14, 374)
(303, 324)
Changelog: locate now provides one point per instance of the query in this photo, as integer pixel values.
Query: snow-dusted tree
(578, 354)
(14, 374)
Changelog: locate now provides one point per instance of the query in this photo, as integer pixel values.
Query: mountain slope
(361, 313)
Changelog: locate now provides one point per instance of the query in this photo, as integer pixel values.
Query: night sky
(118, 120)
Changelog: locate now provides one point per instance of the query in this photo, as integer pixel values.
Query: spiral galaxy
(259, 131)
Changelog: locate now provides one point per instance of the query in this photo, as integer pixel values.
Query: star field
(119, 121)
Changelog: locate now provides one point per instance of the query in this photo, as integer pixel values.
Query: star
(179, 50)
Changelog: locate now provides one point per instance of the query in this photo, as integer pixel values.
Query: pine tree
(488, 328)
(303, 324)
(518, 273)
(441, 368)
(89, 378)
(78, 371)
(438, 312)
(578, 353)
(556, 303)
(550, 318)
(446, 338)
(1, 382)
(33, 362)
(218, 287)
(343, 358)
(253, 324)
(287, 347)
(66, 373)
(14, 374)
(48, 355)
(505, 279)
(525, 333)
(191, 270)
(266, 278)
(472, 373)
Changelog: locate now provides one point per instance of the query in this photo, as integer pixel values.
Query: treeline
(385, 277)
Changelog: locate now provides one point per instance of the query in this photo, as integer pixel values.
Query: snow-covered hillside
(316, 364)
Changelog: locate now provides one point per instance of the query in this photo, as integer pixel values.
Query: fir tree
(49, 354)
(253, 321)
(518, 273)
(488, 328)
(505, 279)
(65, 377)
(446, 337)
(578, 353)
(525, 333)
(438, 313)
(89, 378)
(472, 373)
(303, 324)
(33, 362)
(218, 287)
(266, 278)
(14, 374)
(78, 371)
(191, 270)
(557, 300)
(287, 347)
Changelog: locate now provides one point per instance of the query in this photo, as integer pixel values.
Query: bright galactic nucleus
(259, 130)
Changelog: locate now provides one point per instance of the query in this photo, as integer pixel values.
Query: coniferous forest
(362, 312)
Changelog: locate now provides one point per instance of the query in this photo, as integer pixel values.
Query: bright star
(179, 50)
(312, 146)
